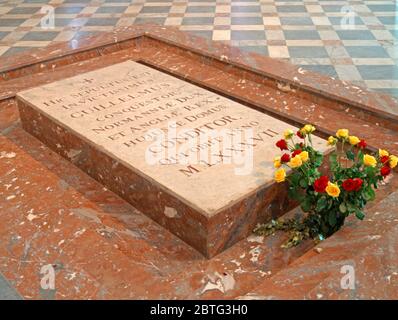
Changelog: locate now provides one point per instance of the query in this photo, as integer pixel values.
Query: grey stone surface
(7, 292)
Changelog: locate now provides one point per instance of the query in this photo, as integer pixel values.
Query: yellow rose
(332, 141)
(304, 156)
(280, 175)
(393, 161)
(277, 162)
(369, 160)
(353, 140)
(333, 190)
(295, 162)
(383, 153)
(308, 128)
(342, 133)
(288, 134)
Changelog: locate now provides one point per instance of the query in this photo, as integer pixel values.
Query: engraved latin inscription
(184, 137)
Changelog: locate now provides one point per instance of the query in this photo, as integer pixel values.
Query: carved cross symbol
(221, 155)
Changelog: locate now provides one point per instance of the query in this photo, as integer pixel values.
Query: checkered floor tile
(350, 40)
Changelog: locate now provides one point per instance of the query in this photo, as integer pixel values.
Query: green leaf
(293, 194)
(359, 214)
(318, 159)
(370, 171)
(369, 194)
(372, 194)
(306, 205)
(360, 157)
(332, 218)
(321, 204)
(303, 183)
(350, 155)
(343, 208)
(350, 207)
(295, 178)
(333, 160)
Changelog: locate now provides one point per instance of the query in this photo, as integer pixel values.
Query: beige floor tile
(221, 35)
(304, 43)
(271, 21)
(275, 35)
(223, 9)
(278, 51)
(321, 21)
(247, 27)
(347, 72)
(3, 49)
(173, 21)
(222, 21)
(33, 44)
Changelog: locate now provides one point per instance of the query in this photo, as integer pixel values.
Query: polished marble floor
(350, 40)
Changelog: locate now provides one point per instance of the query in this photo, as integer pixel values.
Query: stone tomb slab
(196, 162)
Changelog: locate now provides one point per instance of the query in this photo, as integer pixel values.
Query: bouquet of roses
(351, 180)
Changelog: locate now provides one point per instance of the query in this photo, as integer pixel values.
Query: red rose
(358, 184)
(384, 159)
(352, 184)
(285, 158)
(298, 133)
(296, 152)
(349, 184)
(321, 183)
(282, 144)
(385, 171)
(362, 144)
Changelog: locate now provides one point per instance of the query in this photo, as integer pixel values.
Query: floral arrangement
(327, 199)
